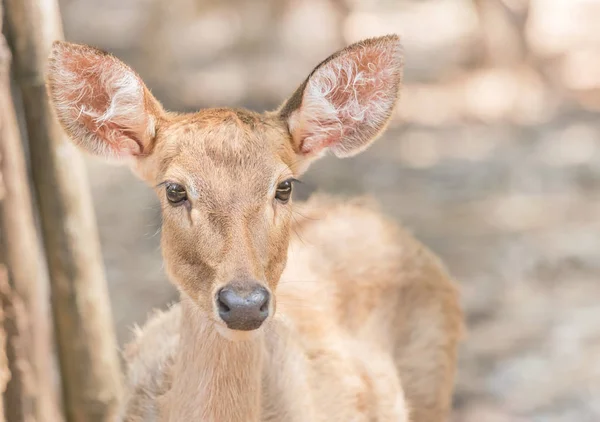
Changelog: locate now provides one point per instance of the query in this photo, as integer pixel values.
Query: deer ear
(347, 100)
(103, 105)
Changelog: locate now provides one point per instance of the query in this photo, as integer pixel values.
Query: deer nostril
(265, 306)
(223, 308)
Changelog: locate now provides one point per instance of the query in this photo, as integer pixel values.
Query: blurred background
(491, 161)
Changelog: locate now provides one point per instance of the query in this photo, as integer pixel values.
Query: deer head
(224, 176)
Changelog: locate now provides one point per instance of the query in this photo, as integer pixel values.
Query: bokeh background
(491, 160)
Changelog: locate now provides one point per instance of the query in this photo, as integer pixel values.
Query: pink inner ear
(94, 110)
(99, 100)
(348, 99)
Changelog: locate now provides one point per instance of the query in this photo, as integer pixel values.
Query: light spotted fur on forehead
(231, 137)
(348, 98)
(223, 152)
(100, 102)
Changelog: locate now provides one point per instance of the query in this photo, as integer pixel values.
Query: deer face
(224, 177)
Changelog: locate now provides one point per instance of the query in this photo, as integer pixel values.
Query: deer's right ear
(103, 105)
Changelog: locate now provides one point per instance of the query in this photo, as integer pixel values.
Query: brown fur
(364, 320)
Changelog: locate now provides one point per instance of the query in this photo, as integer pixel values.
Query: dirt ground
(507, 191)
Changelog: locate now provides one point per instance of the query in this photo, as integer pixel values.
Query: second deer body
(324, 311)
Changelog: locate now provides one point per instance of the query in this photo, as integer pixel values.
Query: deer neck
(214, 379)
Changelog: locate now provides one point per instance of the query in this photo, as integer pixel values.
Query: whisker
(295, 229)
(286, 281)
(296, 212)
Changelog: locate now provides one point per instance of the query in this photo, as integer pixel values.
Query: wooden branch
(30, 394)
(86, 342)
(20, 395)
(4, 370)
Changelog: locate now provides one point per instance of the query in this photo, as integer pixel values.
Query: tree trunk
(26, 337)
(4, 370)
(87, 346)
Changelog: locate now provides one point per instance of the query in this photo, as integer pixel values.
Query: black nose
(243, 307)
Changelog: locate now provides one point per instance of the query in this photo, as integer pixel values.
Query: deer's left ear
(347, 100)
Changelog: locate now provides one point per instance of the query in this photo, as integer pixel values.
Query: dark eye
(175, 193)
(284, 191)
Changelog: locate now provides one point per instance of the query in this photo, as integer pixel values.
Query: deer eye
(176, 193)
(284, 191)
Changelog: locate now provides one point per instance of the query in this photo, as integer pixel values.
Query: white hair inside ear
(349, 98)
(102, 103)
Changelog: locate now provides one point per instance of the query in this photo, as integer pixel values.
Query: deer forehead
(225, 152)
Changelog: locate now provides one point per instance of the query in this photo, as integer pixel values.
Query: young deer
(367, 320)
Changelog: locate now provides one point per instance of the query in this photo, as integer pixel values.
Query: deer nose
(243, 308)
